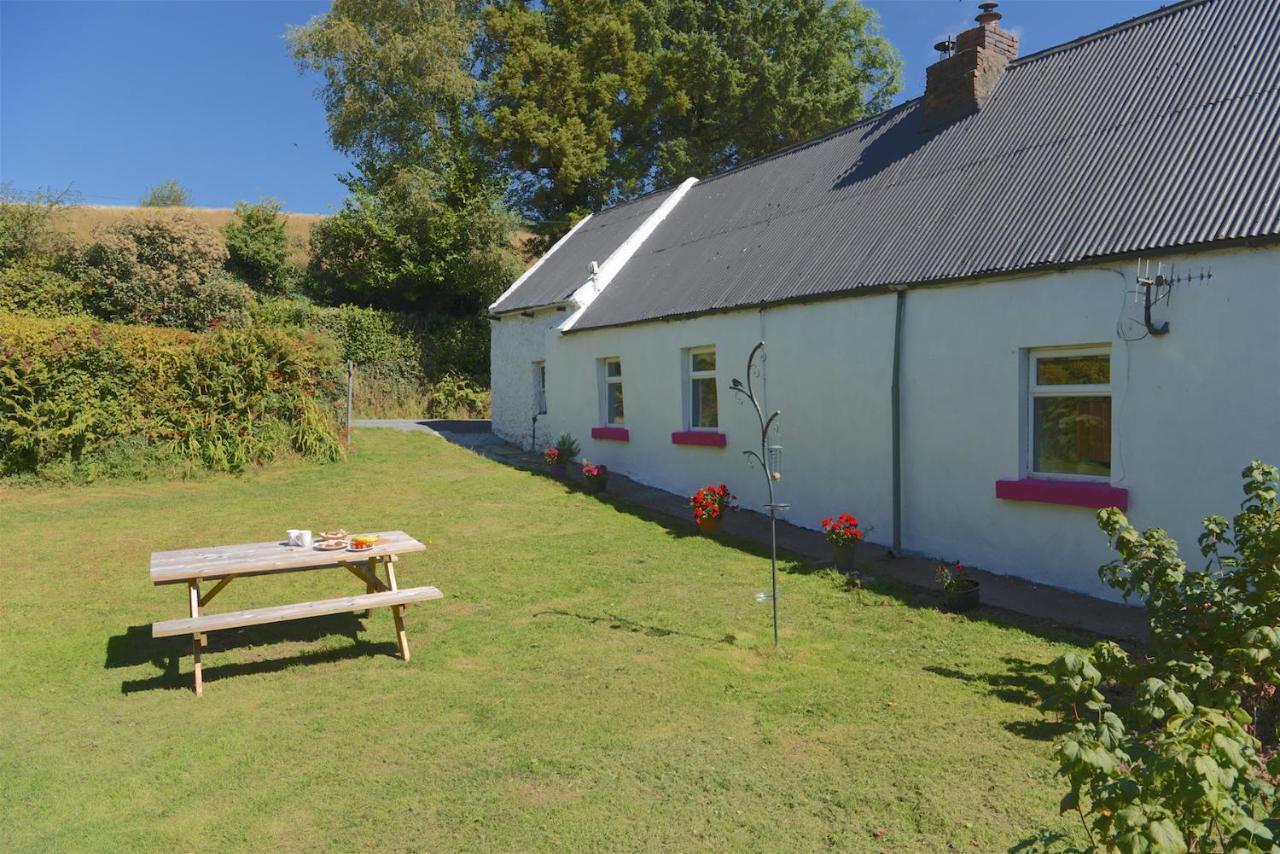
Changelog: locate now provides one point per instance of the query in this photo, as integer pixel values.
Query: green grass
(593, 679)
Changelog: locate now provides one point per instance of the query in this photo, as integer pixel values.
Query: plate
(340, 534)
(330, 545)
(367, 548)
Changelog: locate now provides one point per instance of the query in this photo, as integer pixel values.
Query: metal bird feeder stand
(770, 460)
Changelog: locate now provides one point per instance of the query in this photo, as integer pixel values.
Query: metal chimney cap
(989, 14)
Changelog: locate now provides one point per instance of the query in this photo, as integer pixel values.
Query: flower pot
(964, 596)
(595, 485)
(709, 527)
(558, 470)
(844, 557)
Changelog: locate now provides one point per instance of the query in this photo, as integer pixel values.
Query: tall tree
(425, 227)
(589, 101)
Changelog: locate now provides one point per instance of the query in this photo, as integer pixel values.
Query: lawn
(594, 678)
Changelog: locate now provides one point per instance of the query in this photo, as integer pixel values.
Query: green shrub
(83, 397)
(453, 396)
(257, 247)
(166, 271)
(41, 291)
(166, 194)
(27, 235)
(1169, 751)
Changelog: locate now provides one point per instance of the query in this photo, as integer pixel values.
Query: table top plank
(170, 567)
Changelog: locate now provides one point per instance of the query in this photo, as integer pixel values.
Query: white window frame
(540, 386)
(1035, 391)
(690, 375)
(604, 381)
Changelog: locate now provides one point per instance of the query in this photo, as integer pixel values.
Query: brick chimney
(960, 83)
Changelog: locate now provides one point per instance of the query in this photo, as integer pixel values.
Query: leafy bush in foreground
(74, 390)
(1175, 751)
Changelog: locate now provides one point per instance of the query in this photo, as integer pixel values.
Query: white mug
(305, 538)
(294, 537)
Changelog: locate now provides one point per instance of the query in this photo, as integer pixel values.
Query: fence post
(351, 374)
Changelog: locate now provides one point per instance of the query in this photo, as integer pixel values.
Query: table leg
(197, 640)
(397, 611)
(372, 565)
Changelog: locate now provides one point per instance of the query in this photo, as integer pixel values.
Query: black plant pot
(595, 485)
(844, 557)
(963, 597)
(558, 470)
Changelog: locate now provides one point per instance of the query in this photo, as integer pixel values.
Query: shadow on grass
(1020, 683)
(1045, 840)
(623, 624)
(135, 647)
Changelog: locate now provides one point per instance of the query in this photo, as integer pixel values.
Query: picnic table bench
(223, 564)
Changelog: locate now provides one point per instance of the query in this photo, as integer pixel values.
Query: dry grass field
(81, 221)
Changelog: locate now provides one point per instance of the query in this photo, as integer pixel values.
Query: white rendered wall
(1189, 409)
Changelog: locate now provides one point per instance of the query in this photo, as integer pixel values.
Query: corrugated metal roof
(1157, 133)
(564, 269)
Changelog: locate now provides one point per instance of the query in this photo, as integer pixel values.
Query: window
(540, 387)
(611, 388)
(1069, 417)
(703, 412)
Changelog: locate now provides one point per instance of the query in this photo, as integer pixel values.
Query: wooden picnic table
(223, 564)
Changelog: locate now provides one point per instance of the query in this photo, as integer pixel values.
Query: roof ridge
(1110, 29)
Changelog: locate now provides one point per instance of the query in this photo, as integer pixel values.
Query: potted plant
(959, 591)
(844, 535)
(596, 477)
(559, 455)
(555, 463)
(709, 506)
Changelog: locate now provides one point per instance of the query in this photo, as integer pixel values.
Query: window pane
(1072, 435)
(1074, 370)
(705, 361)
(613, 368)
(613, 402)
(704, 412)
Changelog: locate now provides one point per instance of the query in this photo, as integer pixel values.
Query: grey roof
(1157, 133)
(564, 269)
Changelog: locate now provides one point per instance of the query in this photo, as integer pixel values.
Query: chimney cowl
(960, 83)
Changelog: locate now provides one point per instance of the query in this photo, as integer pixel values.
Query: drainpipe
(533, 434)
(896, 396)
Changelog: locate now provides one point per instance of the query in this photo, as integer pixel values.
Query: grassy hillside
(81, 221)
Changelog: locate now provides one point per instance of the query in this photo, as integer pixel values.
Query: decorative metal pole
(770, 460)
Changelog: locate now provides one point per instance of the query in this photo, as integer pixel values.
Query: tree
(166, 194)
(398, 87)
(572, 105)
(433, 242)
(257, 246)
(590, 102)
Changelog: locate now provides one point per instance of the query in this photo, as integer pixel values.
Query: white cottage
(1049, 285)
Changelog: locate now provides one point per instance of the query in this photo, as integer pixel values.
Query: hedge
(74, 392)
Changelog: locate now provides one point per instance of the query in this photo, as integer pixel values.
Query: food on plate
(364, 541)
(340, 534)
(331, 544)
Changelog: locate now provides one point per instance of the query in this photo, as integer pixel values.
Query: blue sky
(112, 97)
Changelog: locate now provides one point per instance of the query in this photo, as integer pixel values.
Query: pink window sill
(1072, 492)
(706, 438)
(613, 434)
